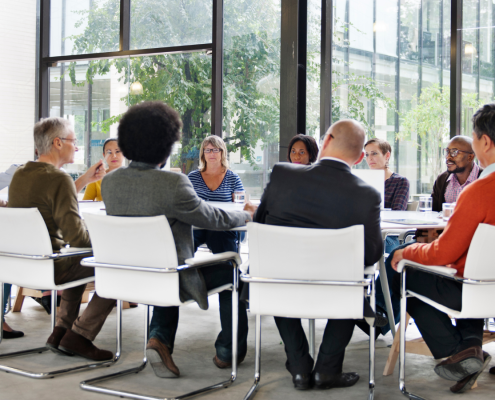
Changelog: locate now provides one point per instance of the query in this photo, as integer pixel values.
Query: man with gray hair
(43, 185)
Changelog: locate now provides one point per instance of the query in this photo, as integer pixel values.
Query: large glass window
(251, 120)
(95, 95)
(478, 47)
(166, 23)
(72, 20)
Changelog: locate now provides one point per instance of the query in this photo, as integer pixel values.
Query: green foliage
(430, 120)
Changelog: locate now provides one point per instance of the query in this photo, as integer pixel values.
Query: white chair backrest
(477, 300)
(134, 241)
(23, 231)
(140, 242)
(375, 178)
(309, 254)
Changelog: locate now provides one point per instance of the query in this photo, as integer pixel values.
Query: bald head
(345, 140)
(464, 143)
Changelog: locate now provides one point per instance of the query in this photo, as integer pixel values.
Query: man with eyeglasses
(461, 171)
(43, 185)
(460, 344)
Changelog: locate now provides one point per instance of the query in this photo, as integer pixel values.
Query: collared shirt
(454, 188)
(334, 159)
(396, 192)
(487, 171)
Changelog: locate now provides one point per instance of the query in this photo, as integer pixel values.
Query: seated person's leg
(221, 241)
(160, 347)
(299, 362)
(442, 337)
(199, 236)
(380, 298)
(6, 294)
(8, 332)
(216, 276)
(73, 334)
(328, 369)
(391, 242)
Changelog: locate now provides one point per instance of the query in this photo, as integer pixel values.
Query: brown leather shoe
(161, 360)
(461, 365)
(223, 364)
(468, 382)
(54, 341)
(74, 343)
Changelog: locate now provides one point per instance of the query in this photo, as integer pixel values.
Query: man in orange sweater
(462, 342)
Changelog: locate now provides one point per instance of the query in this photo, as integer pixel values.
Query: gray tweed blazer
(143, 190)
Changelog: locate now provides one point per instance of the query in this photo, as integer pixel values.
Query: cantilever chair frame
(404, 265)
(90, 385)
(368, 283)
(54, 373)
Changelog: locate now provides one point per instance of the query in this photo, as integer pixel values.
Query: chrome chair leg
(402, 341)
(312, 342)
(89, 385)
(386, 294)
(54, 373)
(371, 393)
(257, 360)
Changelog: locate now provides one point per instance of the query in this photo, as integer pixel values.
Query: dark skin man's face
(462, 161)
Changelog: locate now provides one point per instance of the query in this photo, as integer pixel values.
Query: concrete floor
(193, 356)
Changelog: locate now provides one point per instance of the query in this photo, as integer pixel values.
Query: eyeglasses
(454, 152)
(74, 141)
(212, 151)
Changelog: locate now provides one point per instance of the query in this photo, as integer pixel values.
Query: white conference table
(386, 227)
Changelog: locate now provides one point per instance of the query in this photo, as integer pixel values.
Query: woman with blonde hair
(214, 181)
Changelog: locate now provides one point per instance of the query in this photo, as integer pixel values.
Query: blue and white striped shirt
(230, 184)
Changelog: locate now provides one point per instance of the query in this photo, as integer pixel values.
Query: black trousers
(442, 337)
(336, 337)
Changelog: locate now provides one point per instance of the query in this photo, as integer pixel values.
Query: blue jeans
(380, 298)
(166, 319)
(218, 241)
(6, 294)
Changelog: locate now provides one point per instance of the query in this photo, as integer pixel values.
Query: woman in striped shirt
(214, 181)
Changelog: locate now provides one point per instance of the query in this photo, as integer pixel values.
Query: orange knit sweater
(475, 205)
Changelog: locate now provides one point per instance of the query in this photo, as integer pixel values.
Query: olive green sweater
(53, 193)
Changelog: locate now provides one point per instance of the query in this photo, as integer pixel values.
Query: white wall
(17, 81)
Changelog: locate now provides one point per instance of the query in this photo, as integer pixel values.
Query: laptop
(375, 178)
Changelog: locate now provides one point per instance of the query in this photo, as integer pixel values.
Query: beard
(457, 170)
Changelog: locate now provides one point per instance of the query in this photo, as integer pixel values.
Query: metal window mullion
(125, 25)
(455, 67)
(44, 51)
(397, 91)
(217, 70)
(326, 66)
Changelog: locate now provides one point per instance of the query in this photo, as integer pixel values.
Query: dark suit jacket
(323, 195)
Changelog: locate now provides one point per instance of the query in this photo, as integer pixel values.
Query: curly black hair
(310, 144)
(484, 121)
(148, 131)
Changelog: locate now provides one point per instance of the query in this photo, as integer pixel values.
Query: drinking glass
(239, 197)
(447, 210)
(425, 204)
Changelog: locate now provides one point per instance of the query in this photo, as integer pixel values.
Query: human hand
(96, 172)
(397, 258)
(3, 203)
(250, 208)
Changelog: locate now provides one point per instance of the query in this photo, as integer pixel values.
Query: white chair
(307, 273)
(135, 259)
(27, 260)
(477, 290)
